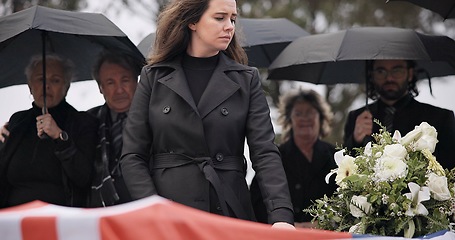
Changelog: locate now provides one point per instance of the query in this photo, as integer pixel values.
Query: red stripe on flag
(39, 228)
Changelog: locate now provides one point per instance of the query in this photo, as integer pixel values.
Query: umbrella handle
(44, 135)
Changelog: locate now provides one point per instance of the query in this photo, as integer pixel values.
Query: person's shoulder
(171, 64)
(327, 145)
(230, 65)
(431, 110)
(430, 107)
(162, 69)
(85, 117)
(19, 116)
(94, 110)
(287, 147)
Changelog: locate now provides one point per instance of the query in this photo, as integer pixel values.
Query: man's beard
(393, 94)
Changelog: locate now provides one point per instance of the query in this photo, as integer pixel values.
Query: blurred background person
(305, 118)
(49, 153)
(393, 84)
(116, 75)
(195, 104)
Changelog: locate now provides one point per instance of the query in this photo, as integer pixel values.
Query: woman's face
(56, 87)
(215, 29)
(305, 121)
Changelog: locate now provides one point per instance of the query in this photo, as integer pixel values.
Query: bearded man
(392, 83)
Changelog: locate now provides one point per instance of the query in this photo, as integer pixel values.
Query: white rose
(426, 142)
(438, 187)
(395, 151)
(424, 136)
(362, 202)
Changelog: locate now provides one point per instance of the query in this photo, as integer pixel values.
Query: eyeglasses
(381, 74)
(307, 115)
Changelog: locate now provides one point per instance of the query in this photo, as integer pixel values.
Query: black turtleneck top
(198, 72)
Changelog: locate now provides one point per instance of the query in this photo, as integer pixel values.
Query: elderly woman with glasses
(305, 118)
(49, 151)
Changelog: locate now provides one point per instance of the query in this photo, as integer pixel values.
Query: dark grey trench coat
(175, 149)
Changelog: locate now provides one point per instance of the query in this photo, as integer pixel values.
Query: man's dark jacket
(406, 119)
(108, 187)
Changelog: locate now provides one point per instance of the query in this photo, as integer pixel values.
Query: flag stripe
(39, 228)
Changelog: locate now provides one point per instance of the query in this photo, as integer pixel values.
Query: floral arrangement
(394, 187)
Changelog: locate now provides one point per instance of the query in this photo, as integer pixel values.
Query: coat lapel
(176, 81)
(220, 86)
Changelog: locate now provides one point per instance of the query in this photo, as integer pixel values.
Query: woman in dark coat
(48, 155)
(305, 118)
(195, 104)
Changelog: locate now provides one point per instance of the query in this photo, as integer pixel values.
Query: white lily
(338, 156)
(368, 150)
(396, 136)
(346, 167)
(417, 195)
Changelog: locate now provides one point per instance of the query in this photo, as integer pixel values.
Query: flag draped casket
(149, 218)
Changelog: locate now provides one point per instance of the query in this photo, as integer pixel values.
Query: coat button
(219, 157)
(224, 111)
(166, 109)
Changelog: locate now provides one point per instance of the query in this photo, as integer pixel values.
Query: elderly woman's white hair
(287, 103)
(67, 64)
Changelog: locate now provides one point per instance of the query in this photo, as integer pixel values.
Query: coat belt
(225, 194)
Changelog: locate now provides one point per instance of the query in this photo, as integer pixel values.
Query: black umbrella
(262, 39)
(339, 57)
(445, 8)
(78, 36)
(146, 44)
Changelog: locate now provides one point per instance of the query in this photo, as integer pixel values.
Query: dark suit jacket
(306, 180)
(107, 189)
(164, 121)
(406, 119)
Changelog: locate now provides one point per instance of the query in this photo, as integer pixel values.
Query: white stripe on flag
(82, 226)
(10, 227)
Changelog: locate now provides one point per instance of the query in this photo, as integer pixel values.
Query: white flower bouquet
(394, 187)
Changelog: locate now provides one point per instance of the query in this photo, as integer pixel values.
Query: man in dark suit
(116, 76)
(393, 84)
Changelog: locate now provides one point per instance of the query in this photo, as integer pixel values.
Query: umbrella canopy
(146, 44)
(262, 39)
(445, 8)
(339, 57)
(78, 36)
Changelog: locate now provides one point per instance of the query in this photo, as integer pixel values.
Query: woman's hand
(283, 225)
(45, 124)
(4, 133)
